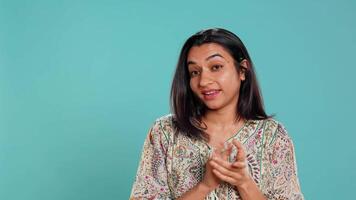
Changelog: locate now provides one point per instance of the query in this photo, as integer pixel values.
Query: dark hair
(187, 109)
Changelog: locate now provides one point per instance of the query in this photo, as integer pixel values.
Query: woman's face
(213, 76)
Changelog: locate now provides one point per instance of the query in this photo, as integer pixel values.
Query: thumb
(227, 151)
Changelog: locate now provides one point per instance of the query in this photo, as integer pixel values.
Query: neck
(222, 117)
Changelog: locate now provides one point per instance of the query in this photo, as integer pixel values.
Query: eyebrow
(208, 58)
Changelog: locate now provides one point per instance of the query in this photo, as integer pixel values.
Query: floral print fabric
(171, 163)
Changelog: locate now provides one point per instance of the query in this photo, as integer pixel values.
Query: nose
(205, 79)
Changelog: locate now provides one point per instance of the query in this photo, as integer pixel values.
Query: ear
(245, 66)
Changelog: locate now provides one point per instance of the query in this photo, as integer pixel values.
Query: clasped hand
(219, 169)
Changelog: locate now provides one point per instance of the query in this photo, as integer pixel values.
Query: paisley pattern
(171, 163)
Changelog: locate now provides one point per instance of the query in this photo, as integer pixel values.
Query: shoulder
(163, 124)
(275, 131)
(162, 129)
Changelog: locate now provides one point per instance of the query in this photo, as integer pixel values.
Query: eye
(194, 73)
(216, 67)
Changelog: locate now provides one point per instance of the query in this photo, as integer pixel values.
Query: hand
(235, 173)
(210, 180)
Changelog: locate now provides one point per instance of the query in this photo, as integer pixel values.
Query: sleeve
(151, 177)
(281, 179)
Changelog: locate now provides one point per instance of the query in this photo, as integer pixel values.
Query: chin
(213, 106)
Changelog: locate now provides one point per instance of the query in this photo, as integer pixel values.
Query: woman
(218, 143)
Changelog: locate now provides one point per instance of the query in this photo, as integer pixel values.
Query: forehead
(200, 53)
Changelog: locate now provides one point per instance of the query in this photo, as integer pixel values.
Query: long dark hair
(187, 109)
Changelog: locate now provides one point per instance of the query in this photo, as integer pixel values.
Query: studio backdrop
(81, 83)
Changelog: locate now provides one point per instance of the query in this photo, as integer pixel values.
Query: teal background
(81, 82)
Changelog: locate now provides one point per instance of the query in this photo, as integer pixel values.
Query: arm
(249, 190)
(206, 186)
(280, 169)
(200, 191)
(151, 177)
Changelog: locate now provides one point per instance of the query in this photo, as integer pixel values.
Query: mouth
(210, 94)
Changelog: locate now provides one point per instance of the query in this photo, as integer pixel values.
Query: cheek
(192, 85)
(230, 82)
(228, 79)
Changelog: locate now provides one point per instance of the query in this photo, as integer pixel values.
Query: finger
(240, 151)
(223, 169)
(227, 151)
(222, 162)
(239, 165)
(224, 177)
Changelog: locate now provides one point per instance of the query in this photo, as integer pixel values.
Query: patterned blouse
(171, 163)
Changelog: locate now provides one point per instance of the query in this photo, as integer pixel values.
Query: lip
(210, 94)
